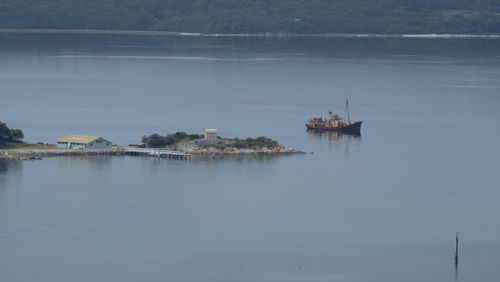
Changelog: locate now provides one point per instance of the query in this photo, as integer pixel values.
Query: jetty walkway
(38, 154)
(159, 153)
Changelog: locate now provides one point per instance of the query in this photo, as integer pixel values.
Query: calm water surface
(381, 207)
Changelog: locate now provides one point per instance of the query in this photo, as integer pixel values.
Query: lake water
(381, 207)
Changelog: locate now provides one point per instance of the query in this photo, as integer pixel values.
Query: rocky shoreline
(233, 147)
(39, 154)
(209, 151)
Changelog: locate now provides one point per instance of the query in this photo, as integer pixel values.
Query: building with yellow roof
(76, 141)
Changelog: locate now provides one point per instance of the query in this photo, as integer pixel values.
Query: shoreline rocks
(199, 151)
(243, 152)
(39, 154)
(222, 146)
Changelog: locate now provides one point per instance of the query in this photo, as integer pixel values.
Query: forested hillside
(258, 16)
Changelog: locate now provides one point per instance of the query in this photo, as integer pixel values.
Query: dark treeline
(156, 140)
(9, 134)
(255, 143)
(258, 16)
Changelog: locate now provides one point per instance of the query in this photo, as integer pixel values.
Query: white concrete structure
(210, 134)
(75, 141)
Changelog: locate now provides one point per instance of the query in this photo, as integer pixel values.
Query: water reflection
(85, 162)
(3, 166)
(239, 159)
(87, 167)
(334, 140)
(6, 165)
(333, 135)
(10, 172)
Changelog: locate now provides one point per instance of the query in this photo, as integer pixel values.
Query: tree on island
(17, 134)
(5, 134)
(10, 135)
(156, 141)
(252, 143)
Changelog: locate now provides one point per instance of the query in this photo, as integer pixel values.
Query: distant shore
(263, 35)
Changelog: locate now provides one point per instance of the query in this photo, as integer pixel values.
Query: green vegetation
(22, 146)
(17, 134)
(255, 143)
(157, 141)
(257, 16)
(9, 135)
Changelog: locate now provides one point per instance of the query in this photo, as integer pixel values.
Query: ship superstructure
(335, 123)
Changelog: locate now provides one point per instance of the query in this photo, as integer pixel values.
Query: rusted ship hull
(353, 128)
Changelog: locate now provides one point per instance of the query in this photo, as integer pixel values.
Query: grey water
(384, 206)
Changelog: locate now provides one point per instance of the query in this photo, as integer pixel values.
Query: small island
(211, 144)
(180, 145)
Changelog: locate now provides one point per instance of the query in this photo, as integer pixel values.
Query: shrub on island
(156, 141)
(254, 143)
(10, 135)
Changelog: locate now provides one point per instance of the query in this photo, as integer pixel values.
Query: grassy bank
(27, 146)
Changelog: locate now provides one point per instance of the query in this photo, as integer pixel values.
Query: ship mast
(347, 111)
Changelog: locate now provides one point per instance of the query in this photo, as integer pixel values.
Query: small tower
(210, 134)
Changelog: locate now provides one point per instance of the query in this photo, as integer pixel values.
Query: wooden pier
(158, 153)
